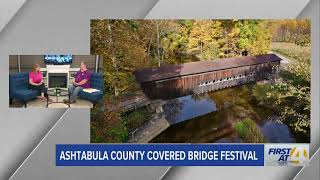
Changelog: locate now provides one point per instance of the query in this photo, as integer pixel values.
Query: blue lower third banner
(159, 155)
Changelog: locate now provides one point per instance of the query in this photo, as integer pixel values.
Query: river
(210, 118)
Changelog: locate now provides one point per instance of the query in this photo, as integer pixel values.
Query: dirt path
(152, 127)
(129, 104)
(149, 130)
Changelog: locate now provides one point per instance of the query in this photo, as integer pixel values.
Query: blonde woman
(36, 81)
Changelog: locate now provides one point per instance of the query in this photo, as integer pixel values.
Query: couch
(96, 82)
(18, 88)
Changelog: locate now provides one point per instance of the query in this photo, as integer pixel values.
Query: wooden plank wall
(176, 87)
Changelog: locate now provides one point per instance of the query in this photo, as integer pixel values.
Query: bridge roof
(174, 71)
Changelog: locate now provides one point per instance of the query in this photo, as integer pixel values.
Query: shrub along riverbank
(248, 131)
(115, 127)
(291, 98)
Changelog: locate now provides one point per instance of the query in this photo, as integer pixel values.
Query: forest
(128, 45)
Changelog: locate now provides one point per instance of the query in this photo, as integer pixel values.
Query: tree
(255, 36)
(292, 30)
(113, 58)
(158, 44)
(204, 37)
(123, 46)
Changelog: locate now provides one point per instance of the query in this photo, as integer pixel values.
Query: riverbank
(233, 105)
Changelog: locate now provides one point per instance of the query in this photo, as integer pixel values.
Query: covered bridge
(197, 77)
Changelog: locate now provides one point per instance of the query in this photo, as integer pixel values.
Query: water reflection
(277, 133)
(211, 117)
(188, 107)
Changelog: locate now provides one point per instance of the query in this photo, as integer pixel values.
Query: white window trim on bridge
(240, 76)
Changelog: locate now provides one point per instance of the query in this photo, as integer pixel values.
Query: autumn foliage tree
(292, 30)
(127, 45)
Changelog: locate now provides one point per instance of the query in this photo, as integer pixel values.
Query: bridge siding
(178, 70)
(175, 87)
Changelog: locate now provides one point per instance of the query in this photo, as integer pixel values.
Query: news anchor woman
(36, 81)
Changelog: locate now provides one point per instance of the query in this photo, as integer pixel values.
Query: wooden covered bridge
(202, 76)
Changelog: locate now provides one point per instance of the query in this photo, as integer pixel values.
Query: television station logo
(286, 154)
